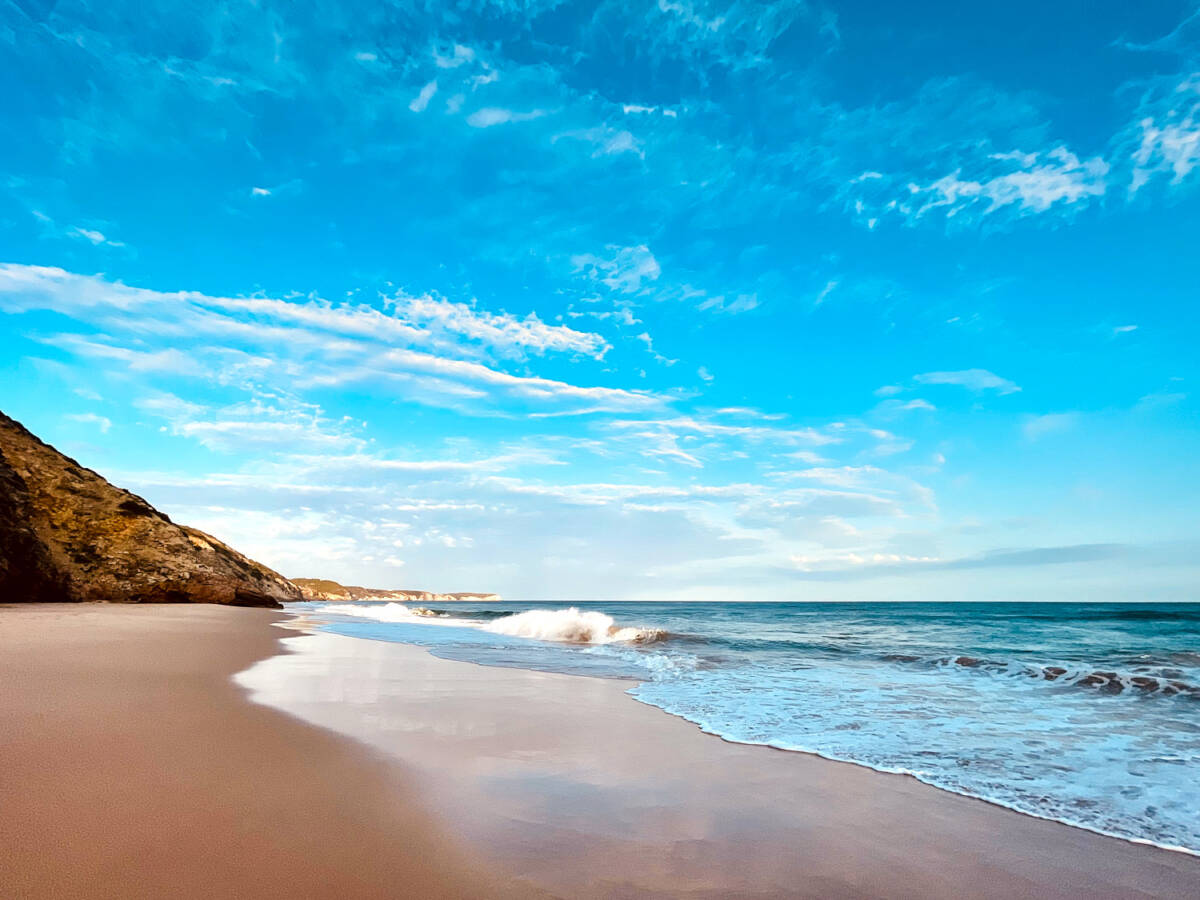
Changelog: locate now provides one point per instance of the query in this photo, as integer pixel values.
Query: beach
(132, 766)
(188, 751)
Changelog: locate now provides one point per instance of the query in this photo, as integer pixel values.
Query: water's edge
(706, 730)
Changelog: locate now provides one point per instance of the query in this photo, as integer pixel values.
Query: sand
(133, 766)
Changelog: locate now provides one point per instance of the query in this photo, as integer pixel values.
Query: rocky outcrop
(66, 534)
(331, 591)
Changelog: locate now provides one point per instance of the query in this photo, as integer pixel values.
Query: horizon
(768, 302)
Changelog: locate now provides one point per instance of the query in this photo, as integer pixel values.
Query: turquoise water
(1084, 713)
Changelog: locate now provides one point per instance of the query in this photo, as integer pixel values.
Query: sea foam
(572, 626)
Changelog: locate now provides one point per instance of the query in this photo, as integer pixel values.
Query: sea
(1085, 713)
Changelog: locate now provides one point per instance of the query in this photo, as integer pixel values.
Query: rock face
(66, 534)
(331, 591)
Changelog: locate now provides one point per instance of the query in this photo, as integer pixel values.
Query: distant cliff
(66, 534)
(323, 589)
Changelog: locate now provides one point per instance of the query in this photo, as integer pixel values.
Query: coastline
(136, 764)
(577, 787)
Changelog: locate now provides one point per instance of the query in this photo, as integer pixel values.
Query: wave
(573, 627)
(1105, 681)
(570, 626)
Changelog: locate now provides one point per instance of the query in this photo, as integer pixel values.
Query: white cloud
(409, 319)
(101, 422)
(1021, 183)
(494, 115)
(311, 342)
(976, 380)
(607, 141)
(422, 99)
(90, 234)
(260, 192)
(626, 270)
(1170, 137)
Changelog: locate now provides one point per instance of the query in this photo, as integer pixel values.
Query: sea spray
(572, 626)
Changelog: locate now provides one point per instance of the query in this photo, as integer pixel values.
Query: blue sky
(622, 299)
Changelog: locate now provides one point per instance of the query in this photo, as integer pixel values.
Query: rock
(331, 591)
(66, 534)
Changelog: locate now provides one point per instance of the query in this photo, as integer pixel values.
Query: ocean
(1084, 713)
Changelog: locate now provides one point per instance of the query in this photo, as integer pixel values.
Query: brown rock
(66, 534)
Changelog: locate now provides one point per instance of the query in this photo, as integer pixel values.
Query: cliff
(324, 589)
(66, 534)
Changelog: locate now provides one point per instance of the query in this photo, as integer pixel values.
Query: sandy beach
(132, 766)
(135, 765)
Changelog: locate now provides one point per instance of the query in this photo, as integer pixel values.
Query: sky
(625, 299)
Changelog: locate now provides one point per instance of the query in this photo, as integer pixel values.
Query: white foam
(571, 626)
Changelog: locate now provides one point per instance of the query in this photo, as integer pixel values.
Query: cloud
(1169, 143)
(859, 566)
(422, 99)
(1023, 183)
(407, 319)
(626, 270)
(607, 141)
(93, 236)
(491, 115)
(976, 380)
(459, 55)
(891, 408)
(101, 422)
(1036, 427)
(311, 342)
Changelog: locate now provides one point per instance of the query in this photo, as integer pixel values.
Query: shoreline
(539, 738)
(318, 621)
(815, 754)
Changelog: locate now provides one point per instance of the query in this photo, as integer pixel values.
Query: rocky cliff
(66, 534)
(331, 591)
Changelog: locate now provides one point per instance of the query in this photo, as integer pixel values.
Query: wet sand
(578, 788)
(131, 765)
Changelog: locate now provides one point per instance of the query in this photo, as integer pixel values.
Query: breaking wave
(573, 627)
(569, 626)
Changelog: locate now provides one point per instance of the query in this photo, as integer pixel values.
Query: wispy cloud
(976, 380)
(492, 115)
(1024, 183)
(318, 343)
(1036, 427)
(1169, 136)
(101, 422)
(423, 97)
